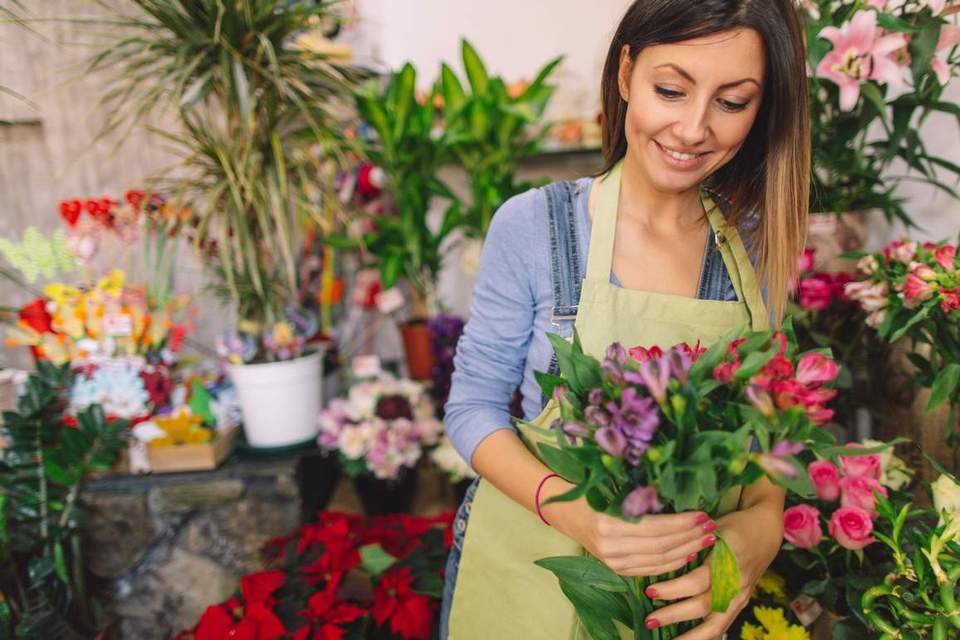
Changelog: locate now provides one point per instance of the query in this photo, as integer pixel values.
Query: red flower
(326, 615)
(410, 614)
(951, 300)
(230, 621)
(816, 292)
(641, 354)
(778, 367)
(725, 371)
(36, 316)
(158, 383)
(70, 211)
(177, 334)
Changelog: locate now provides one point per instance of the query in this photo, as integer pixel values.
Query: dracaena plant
(878, 70)
(490, 129)
(42, 588)
(257, 115)
(409, 149)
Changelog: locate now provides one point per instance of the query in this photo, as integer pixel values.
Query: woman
(699, 97)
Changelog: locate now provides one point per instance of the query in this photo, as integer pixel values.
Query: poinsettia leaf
(584, 570)
(724, 576)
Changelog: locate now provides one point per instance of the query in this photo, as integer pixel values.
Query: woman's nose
(692, 128)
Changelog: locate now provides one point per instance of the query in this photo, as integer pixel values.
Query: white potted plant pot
(280, 400)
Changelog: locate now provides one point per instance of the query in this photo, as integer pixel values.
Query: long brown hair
(770, 174)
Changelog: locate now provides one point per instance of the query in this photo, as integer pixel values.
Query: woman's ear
(624, 73)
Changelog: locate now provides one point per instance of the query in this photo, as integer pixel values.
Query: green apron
(500, 593)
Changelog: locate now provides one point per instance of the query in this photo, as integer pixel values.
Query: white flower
(946, 497)
(429, 430)
(450, 462)
(868, 264)
(354, 441)
(896, 474)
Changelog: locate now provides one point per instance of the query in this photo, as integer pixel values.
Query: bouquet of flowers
(342, 577)
(648, 430)
(878, 69)
(913, 290)
(381, 428)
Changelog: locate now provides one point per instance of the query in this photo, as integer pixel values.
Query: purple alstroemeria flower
(597, 416)
(613, 362)
(611, 440)
(640, 501)
(775, 464)
(680, 363)
(654, 375)
(595, 397)
(637, 418)
(760, 399)
(575, 429)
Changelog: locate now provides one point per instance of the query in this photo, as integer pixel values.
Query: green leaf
(476, 71)
(944, 385)
(724, 576)
(562, 462)
(375, 559)
(60, 563)
(917, 317)
(595, 608)
(584, 570)
(405, 100)
(454, 96)
(200, 403)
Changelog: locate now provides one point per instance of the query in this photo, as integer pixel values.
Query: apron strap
(604, 228)
(739, 266)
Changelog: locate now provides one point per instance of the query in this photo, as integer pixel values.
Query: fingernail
(710, 526)
(652, 623)
(651, 592)
(708, 541)
(703, 518)
(691, 558)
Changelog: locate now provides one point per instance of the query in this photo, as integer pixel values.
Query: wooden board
(192, 457)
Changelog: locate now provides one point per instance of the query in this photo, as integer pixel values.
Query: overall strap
(565, 270)
(730, 244)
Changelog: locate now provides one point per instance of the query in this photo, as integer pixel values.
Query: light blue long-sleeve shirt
(505, 340)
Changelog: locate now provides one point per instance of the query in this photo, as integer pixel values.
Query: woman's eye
(669, 94)
(733, 106)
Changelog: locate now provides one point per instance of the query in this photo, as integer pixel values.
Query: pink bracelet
(537, 497)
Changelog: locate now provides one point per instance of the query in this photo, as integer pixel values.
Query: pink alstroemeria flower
(945, 256)
(949, 38)
(860, 53)
(915, 291)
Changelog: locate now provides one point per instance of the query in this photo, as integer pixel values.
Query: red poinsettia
(326, 615)
(409, 614)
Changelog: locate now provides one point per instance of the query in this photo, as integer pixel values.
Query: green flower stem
(948, 599)
(871, 613)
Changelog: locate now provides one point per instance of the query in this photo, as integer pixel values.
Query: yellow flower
(181, 428)
(752, 632)
(776, 626)
(112, 283)
(774, 585)
(61, 294)
(283, 334)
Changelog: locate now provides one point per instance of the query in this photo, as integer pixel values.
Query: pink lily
(860, 53)
(949, 38)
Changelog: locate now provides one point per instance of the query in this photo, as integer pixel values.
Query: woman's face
(691, 105)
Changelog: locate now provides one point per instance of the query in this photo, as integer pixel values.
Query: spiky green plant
(258, 123)
(42, 589)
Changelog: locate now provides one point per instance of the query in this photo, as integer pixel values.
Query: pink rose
(946, 256)
(851, 528)
(862, 466)
(816, 292)
(825, 478)
(858, 492)
(801, 526)
(815, 368)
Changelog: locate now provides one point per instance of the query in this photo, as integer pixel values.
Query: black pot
(317, 476)
(382, 497)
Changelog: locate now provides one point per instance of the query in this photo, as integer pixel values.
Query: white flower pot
(280, 400)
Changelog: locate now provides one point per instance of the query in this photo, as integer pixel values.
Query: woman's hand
(655, 545)
(754, 534)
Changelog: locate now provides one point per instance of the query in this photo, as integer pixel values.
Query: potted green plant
(489, 130)
(409, 148)
(43, 592)
(878, 70)
(258, 115)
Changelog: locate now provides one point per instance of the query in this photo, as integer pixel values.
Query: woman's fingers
(657, 525)
(688, 609)
(682, 551)
(695, 583)
(661, 549)
(712, 628)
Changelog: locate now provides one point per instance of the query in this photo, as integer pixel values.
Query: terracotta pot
(381, 497)
(416, 344)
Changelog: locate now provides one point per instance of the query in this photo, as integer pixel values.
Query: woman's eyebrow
(692, 81)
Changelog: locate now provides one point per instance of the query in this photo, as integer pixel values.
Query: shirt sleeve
(491, 353)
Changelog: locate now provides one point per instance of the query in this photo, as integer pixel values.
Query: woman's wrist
(556, 513)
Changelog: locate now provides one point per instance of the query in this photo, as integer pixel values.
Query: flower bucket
(280, 400)
(416, 345)
(382, 497)
(833, 235)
